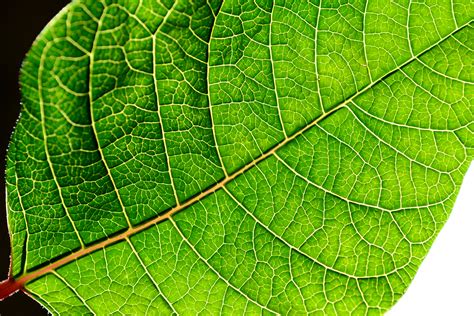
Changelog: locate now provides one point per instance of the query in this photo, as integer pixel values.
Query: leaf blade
(353, 114)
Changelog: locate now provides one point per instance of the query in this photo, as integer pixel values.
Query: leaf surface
(234, 157)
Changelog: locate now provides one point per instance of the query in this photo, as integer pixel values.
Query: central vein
(210, 190)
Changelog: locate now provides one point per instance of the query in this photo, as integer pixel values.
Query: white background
(444, 284)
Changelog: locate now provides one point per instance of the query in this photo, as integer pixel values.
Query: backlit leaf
(238, 157)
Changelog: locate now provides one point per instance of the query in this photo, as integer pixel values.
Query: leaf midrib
(26, 277)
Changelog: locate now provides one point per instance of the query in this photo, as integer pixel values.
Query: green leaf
(237, 157)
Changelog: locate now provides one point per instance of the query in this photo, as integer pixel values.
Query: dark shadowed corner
(21, 22)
